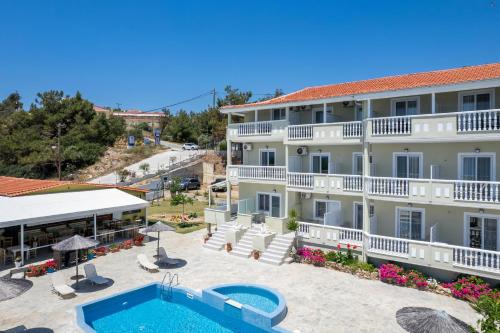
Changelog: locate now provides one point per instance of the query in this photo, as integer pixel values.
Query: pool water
(258, 298)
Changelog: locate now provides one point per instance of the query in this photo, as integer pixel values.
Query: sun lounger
(60, 287)
(91, 275)
(164, 259)
(145, 263)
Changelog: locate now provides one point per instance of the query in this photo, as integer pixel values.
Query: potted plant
(127, 244)
(293, 225)
(206, 238)
(17, 262)
(138, 240)
(256, 254)
(114, 248)
(229, 247)
(91, 255)
(50, 266)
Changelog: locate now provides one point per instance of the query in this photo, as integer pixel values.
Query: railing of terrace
(352, 129)
(476, 258)
(479, 191)
(353, 183)
(277, 173)
(388, 245)
(300, 132)
(255, 128)
(391, 125)
(387, 186)
(478, 121)
(300, 179)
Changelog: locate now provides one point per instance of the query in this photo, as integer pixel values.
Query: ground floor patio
(319, 300)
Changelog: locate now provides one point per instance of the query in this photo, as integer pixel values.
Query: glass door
(477, 168)
(275, 206)
(482, 232)
(267, 157)
(408, 165)
(476, 101)
(358, 216)
(269, 204)
(318, 117)
(320, 163)
(406, 107)
(410, 224)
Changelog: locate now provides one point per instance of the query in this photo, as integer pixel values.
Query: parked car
(190, 146)
(190, 184)
(219, 185)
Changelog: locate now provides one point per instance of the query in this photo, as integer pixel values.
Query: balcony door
(358, 214)
(267, 157)
(320, 163)
(407, 165)
(269, 204)
(482, 232)
(476, 100)
(279, 114)
(318, 117)
(357, 164)
(330, 207)
(405, 107)
(410, 223)
(476, 167)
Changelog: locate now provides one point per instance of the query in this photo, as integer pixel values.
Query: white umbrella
(157, 227)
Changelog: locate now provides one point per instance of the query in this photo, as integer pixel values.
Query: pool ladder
(168, 287)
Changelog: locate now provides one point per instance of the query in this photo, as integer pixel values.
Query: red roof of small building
(389, 83)
(13, 186)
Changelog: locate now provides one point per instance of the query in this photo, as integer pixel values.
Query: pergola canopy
(57, 207)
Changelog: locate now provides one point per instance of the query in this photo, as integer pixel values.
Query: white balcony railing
(391, 126)
(478, 121)
(350, 236)
(388, 245)
(300, 132)
(300, 179)
(478, 191)
(476, 258)
(257, 172)
(352, 129)
(256, 128)
(387, 186)
(352, 183)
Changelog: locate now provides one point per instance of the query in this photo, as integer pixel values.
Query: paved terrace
(319, 300)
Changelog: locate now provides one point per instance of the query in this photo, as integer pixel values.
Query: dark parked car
(190, 184)
(219, 185)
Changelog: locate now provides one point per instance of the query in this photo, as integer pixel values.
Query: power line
(184, 101)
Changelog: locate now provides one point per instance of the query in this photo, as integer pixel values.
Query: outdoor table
(17, 248)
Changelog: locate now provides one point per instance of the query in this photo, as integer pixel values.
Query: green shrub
(488, 306)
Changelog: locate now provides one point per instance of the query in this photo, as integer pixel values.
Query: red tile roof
(389, 83)
(13, 187)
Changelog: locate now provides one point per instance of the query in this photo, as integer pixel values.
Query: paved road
(155, 162)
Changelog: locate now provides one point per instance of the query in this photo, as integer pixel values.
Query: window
(321, 207)
(267, 157)
(476, 100)
(358, 215)
(407, 165)
(319, 117)
(410, 223)
(320, 163)
(478, 166)
(405, 106)
(269, 203)
(357, 164)
(481, 232)
(279, 114)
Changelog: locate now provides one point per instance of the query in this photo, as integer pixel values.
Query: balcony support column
(286, 176)
(229, 162)
(433, 103)
(324, 112)
(366, 201)
(256, 115)
(229, 119)
(369, 108)
(287, 113)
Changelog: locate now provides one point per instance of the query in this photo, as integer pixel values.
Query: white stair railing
(478, 121)
(262, 172)
(391, 125)
(476, 258)
(388, 245)
(388, 186)
(353, 129)
(300, 132)
(300, 179)
(479, 191)
(352, 183)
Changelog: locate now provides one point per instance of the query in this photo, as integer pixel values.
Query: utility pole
(213, 98)
(59, 125)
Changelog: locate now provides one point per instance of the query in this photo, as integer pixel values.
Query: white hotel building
(405, 167)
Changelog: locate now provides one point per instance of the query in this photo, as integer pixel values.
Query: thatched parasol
(425, 320)
(10, 288)
(75, 243)
(157, 227)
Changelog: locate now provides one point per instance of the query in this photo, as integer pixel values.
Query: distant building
(134, 117)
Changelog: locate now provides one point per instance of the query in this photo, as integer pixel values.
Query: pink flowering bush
(313, 256)
(393, 274)
(468, 288)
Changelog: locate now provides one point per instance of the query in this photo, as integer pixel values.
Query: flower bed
(41, 269)
(393, 274)
(468, 288)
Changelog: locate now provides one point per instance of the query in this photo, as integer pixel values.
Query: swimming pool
(150, 309)
(261, 298)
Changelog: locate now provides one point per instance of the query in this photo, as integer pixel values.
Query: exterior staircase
(277, 252)
(244, 247)
(218, 239)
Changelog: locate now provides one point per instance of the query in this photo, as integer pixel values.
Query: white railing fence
(303, 230)
(352, 183)
(391, 125)
(256, 128)
(262, 172)
(476, 258)
(348, 235)
(387, 186)
(388, 245)
(480, 191)
(353, 129)
(478, 121)
(300, 179)
(300, 132)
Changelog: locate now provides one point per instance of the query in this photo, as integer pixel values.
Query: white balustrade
(348, 235)
(477, 191)
(352, 183)
(388, 186)
(277, 173)
(478, 121)
(256, 128)
(300, 132)
(391, 125)
(299, 179)
(476, 258)
(388, 245)
(303, 230)
(353, 129)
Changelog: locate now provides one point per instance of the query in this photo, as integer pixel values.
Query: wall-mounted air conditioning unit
(305, 195)
(302, 151)
(247, 146)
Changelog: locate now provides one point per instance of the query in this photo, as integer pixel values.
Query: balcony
(483, 194)
(457, 126)
(325, 133)
(429, 254)
(325, 183)
(257, 174)
(261, 131)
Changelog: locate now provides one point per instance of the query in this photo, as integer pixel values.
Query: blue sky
(146, 54)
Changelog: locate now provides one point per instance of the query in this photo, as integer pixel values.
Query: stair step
(288, 260)
(212, 247)
(270, 262)
(273, 256)
(240, 253)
